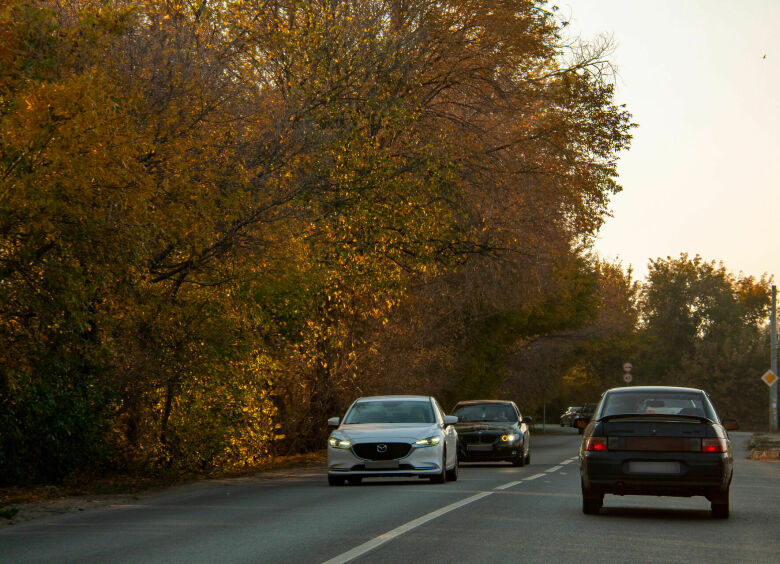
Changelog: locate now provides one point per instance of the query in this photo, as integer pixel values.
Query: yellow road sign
(769, 377)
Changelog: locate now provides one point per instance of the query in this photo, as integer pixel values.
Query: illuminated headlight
(429, 441)
(509, 438)
(335, 442)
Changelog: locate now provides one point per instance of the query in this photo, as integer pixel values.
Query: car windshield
(390, 411)
(484, 412)
(657, 402)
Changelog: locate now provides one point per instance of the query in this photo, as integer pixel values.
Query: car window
(485, 412)
(391, 411)
(657, 402)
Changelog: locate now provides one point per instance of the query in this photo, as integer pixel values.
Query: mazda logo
(381, 448)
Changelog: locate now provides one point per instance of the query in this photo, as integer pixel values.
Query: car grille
(371, 451)
(485, 437)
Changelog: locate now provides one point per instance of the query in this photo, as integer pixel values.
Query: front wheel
(452, 474)
(441, 477)
(335, 480)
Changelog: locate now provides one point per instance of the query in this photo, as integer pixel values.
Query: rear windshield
(660, 402)
(392, 411)
(484, 412)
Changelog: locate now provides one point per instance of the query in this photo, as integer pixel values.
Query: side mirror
(450, 420)
(527, 419)
(334, 422)
(730, 424)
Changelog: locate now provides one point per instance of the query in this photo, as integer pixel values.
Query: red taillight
(713, 445)
(596, 443)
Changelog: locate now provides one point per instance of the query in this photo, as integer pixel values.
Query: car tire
(441, 477)
(335, 480)
(591, 501)
(452, 474)
(520, 460)
(719, 505)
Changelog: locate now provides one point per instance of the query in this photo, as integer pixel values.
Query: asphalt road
(493, 513)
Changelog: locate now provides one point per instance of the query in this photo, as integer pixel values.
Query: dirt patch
(765, 447)
(38, 509)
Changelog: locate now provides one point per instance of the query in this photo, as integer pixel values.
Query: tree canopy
(220, 221)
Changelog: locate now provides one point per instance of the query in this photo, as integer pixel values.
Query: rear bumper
(699, 473)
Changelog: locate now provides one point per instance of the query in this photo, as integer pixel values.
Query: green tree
(704, 326)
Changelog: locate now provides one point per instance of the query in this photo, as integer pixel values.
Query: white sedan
(393, 436)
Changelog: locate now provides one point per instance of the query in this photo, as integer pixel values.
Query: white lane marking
(507, 486)
(554, 469)
(534, 477)
(405, 528)
(565, 462)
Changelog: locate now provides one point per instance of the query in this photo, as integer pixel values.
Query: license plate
(479, 448)
(652, 467)
(381, 465)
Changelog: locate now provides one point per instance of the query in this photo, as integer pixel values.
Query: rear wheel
(719, 505)
(335, 480)
(592, 501)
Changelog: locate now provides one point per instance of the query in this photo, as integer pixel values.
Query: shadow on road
(657, 513)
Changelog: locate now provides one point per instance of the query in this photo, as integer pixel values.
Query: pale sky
(703, 172)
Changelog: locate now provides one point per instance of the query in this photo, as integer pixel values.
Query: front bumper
(485, 452)
(699, 473)
(421, 461)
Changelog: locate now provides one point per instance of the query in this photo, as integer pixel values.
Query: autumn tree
(222, 220)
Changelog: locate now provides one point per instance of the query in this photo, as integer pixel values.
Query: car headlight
(335, 442)
(509, 438)
(428, 441)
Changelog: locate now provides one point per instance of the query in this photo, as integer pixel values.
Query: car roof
(477, 402)
(626, 389)
(394, 398)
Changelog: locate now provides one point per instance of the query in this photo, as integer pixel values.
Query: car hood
(388, 432)
(486, 426)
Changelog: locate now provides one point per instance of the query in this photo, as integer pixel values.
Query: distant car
(581, 419)
(662, 441)
(492, 430)
(393, 436)
(568, 416)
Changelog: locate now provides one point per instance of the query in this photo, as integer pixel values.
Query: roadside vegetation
(222, 221)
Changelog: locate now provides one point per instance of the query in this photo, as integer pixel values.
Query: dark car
(581, 419)
(490, 430)
(567, 418)
(657, 440)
